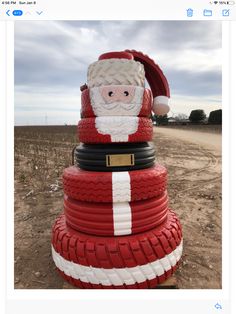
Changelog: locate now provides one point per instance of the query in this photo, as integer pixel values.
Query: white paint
(161, 105)
(118, 276)
(122, 218)
(116, 72)
(119, 128)
(121, 196)
(121, 189)
(102, 108)
(161, 100)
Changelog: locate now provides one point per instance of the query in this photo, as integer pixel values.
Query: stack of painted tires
(117, 230)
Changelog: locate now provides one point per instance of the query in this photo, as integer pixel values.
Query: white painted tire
(116, 72)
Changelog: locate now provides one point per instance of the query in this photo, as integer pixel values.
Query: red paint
(154, 75)
(87, 132)
(133, 250)
(91, 186)
(97, 218)
(116, 55)
(87, 186)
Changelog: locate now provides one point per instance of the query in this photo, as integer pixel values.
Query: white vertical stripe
(121, 189)
(121, 196)
(121, 210)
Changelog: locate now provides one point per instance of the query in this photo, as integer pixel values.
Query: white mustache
(118, 104)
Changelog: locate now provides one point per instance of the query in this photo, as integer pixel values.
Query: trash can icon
(189, 12)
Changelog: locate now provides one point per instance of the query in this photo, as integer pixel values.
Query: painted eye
(110, 94)
(126, 93)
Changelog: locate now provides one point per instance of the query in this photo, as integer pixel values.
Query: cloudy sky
(51, 60)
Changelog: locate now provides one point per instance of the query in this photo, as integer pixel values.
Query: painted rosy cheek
(108, 94)
(127, 94)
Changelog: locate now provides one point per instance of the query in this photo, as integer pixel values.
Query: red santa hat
(131, 67)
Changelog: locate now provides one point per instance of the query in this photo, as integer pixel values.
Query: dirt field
(193, 160)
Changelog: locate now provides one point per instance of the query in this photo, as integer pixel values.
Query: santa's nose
(112, 94)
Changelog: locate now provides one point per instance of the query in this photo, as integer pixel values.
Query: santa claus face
(116, 100)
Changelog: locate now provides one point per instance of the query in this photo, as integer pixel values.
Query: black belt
(115, 157)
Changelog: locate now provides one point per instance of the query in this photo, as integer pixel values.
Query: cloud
(51, 60)
(198, 84)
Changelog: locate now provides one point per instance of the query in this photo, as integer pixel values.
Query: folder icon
(207, 12)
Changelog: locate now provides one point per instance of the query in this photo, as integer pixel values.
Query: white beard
(101, 108)
(119, 128)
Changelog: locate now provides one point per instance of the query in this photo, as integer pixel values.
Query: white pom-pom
(161, 105)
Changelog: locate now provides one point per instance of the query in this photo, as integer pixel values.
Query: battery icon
(230, 2)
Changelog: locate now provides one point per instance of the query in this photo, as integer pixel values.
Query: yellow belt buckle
(120, 160)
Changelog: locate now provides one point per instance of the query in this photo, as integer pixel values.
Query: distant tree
(161, 120)
(197, 115)
(215, 117)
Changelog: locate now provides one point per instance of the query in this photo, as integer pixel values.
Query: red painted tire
(103, 220)
(118, 54)
(87, 110)
(154, 75)
(89, 134)
(107, 187)
(128, 262)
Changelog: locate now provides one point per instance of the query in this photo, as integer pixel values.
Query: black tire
(93, 157)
